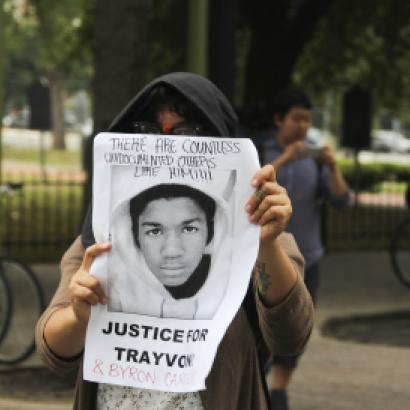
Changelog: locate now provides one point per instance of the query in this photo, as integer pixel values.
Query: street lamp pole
(2, 64)
(198, 36)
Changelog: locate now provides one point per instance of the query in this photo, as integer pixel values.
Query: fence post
(2, 63)
(356, 186)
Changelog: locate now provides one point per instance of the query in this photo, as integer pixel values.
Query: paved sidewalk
(340, 375)
(333, 374)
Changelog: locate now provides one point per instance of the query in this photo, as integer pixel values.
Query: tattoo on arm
(264, 279)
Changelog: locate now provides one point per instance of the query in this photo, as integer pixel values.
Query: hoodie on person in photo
(133, 288)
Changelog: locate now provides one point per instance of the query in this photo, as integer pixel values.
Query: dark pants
(312, 284)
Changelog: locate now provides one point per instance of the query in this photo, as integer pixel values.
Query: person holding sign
(187, 104)
(171, 238)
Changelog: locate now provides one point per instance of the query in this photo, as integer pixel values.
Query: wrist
(274, 273)
(73, 320)
(285, 158)
(280, 162)
(267, 246)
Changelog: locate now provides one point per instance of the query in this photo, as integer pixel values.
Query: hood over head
(205, 97)
(202, 93)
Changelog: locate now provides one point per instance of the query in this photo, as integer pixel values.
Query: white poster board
(181, 259)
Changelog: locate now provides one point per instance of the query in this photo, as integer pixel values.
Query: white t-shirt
(111, 396)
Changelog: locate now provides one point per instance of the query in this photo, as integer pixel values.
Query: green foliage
(366, 42)
(58, 24)
(21, 50)
(46, 36)
(374, 173)
(54, 158)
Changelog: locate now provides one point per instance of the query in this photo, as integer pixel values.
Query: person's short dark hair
(288, 98)
(169, 191)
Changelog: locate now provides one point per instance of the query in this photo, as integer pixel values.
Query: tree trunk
(120, 56)
(121, 59)
(269, 65)
(280, 31)
(57, 110)
(221, 45)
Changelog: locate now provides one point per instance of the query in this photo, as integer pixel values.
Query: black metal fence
(370, 222)
(39, 220)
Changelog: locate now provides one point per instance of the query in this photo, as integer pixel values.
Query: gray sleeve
(287, 326)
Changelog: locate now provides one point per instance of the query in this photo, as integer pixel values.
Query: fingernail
(247, 208)
(255, 182)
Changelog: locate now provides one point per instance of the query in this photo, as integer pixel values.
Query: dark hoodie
(207, 99)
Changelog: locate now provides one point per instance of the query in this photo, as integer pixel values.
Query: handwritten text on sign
(196, 162)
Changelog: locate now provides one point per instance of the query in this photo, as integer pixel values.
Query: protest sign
(181, 259)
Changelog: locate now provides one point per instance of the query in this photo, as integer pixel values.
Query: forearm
(279, 162)
(274, 273)
(64, 333)
(338, 184)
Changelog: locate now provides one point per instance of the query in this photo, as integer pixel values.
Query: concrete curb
(12, 404)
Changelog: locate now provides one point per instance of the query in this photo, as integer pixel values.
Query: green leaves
(365, 42)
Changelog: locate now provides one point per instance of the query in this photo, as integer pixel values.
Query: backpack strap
(320, 199)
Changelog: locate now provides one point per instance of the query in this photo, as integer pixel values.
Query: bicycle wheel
(400, 252)
(28, 303)
(6, 304)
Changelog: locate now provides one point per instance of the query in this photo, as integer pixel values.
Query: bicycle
(400, 248)
(5, 305)
(21, 300)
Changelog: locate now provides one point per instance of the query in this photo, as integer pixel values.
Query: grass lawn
(56, 158)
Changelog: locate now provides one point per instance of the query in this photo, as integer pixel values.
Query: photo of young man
(173, 225)
(173, 244)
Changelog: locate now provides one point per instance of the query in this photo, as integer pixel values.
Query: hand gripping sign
(181, 259)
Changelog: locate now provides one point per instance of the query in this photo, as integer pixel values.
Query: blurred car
(16, 118)
(390, 141)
